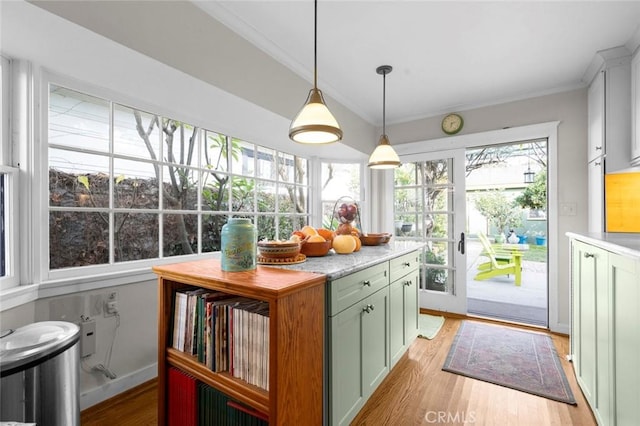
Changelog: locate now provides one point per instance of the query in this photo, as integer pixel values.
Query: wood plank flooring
(416, 392)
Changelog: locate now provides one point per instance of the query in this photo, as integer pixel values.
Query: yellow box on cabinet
(622, 201)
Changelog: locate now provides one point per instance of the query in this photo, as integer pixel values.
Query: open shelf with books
(256, 337)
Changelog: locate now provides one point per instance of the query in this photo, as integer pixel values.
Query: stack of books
(227, 333)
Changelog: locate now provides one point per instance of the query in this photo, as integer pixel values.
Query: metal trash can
(39, 374)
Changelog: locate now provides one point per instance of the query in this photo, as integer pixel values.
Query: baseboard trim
(121, 384)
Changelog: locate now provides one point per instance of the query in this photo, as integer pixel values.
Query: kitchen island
(338, 324)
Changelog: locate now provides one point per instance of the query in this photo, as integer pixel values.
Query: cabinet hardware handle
(406, 264)
(589, 255)
(368, 308)
(598, 148)
(408, 283)
(367, 283)
(597, 163)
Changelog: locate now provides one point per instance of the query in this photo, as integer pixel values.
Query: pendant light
(384, 157)
(315, 124)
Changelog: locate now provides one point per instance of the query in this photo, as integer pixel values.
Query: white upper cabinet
(610, 109)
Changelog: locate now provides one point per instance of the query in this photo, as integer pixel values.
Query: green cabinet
(369, 322)
(625, 329)
(359, 354)
(605, 337)
(403, 299)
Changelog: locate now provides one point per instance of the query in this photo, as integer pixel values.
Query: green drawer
(352, 288)
(401, 266)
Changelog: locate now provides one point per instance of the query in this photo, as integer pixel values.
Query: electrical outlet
(87, 338)
(111, 304)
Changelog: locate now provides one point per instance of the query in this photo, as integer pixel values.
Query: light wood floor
(416, 392)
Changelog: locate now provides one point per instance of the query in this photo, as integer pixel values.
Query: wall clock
(452, 123)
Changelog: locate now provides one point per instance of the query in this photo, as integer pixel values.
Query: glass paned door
(429, 206)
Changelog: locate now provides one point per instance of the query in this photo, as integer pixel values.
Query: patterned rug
(522, 360)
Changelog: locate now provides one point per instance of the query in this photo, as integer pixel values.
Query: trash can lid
(35, 343)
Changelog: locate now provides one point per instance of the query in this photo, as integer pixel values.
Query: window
(130, 185)
(341, 182)
(8, 189)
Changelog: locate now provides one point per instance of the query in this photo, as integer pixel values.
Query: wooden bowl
(278, 249)
(372, 239)
(386, 238)
(315, 249)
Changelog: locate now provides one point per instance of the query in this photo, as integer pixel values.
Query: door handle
(461, 243)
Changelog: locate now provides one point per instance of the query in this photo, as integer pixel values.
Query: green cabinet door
(396, 321)
(403, 314)
(359, 355)
(375, 340)
(624, 278)
(411, 309)
(346, 395)
(586, 262)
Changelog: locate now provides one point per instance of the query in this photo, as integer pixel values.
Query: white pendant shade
(315, 124)
(384, 156)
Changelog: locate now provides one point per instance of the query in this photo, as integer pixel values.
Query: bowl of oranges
(315, 242)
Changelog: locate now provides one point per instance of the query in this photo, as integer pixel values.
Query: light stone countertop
(335, 265)
(626, 244)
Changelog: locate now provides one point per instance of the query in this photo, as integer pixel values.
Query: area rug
(429, 325)
(522, 360)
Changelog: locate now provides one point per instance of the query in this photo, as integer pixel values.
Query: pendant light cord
(384, 103)
(315, 44)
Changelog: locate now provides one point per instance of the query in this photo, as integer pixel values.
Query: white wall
(570, 109)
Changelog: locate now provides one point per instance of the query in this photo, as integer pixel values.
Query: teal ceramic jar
(239, 237)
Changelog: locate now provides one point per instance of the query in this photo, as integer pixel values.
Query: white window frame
(11, 277)
(114, 272)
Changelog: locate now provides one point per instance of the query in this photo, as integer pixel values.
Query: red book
(182, 401)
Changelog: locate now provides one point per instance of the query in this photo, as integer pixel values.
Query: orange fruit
(326, 233)
(308, 230)
(344, 244)
(316, 239)
(358, 242)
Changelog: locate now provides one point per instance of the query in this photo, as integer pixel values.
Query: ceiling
(446, 56)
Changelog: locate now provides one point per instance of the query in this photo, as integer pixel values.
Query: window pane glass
(136, 236)
(405, 175)
(288, 197)
(243, 157)
(180, 188)
(214, 153)
(302, 176)
(286, 167)
(180, 142)
(340, 180)
(180, 233)
(267, 228)
(134, 185)
(215, 192)
(135, 133)
(211, 229)
(242, 192)
(78, 239)
(266, 196)
(81, 181)
(266, 163)
(78, 120)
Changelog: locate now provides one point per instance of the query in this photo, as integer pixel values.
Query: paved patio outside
(500, 298)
